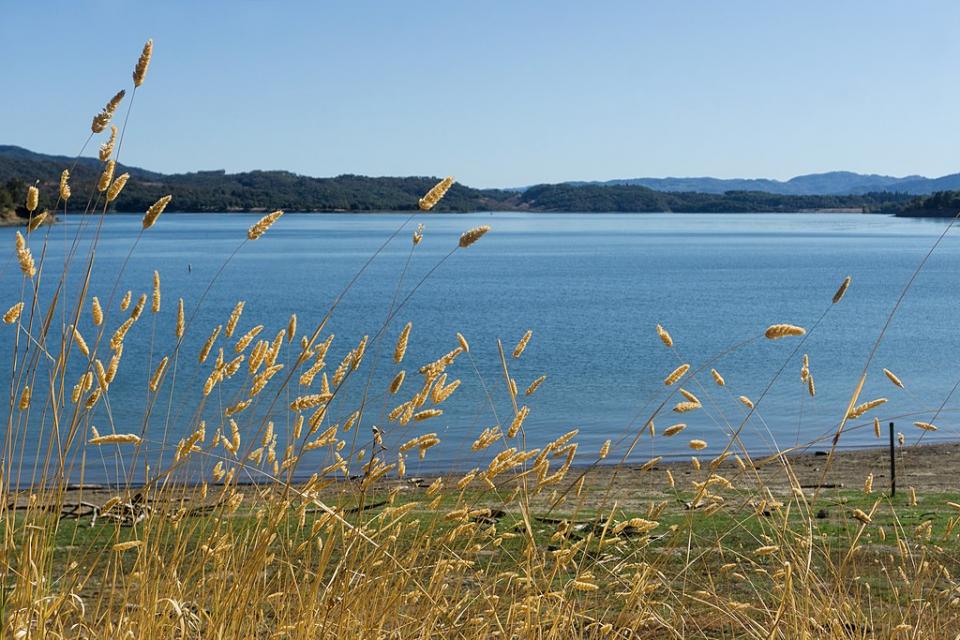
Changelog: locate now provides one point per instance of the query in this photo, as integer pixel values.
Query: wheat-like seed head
(36, 221)
(534, 385)
(155, 303)
(24, 257)
(33, 198)
(401, 348)
(115, 438)
(106, 149)
(664, 336)
(676, 374)
(697, 445)
(263, 224)
(150, 218)
(463, 343)
(158, 374)
(777, 331)
(518, 351)
(65, 185)
(861, 409)
(893, 378)
(234, 319)
(96, 311)
(13, 313)
(717, 377)
(143, 63)
(180, 319)
(838, 296)
(926, 426)
(472, 235)
(102, 119)
(24, 403)
(435, 194)
(114, 191)
(604, 450)
(746, 401)
(674, 429)
(418, 235)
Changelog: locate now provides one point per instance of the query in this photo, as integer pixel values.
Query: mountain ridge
(826, 183)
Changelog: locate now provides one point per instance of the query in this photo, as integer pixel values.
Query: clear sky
(496, 93)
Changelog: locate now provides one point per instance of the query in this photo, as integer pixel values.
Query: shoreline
(919, 466)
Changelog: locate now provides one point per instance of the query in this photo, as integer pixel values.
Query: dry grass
(526, 545)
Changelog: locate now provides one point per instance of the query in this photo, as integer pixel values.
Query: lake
(592, 287)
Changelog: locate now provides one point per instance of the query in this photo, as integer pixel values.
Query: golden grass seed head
(107, 176)
(777, 331)
(96, 311)
(463, 343)
(534, 385)
(65, 185)
(746, 401)
(102, 119)
(518, 350)
(664, 336)
(24, 257)
(876, 427)
(114, 191)
(418, 235)
(150, 217)
(472, 235)
(155, 302)
(397, 381)
(926, 426)
(401, 348)
(263, 225)
(838, 296)
(143, 63)
(698, 445)
(811, 387)
(158, 374)
(114, 438)
(13, 313)
(36, 221)
(861, 409)
(604, 449)
(893, 378)
(432, 197)
(674, 429)
(180, 319)
(868, 484)
(106, 149)
(33, 198)
(676, 374)
(717, 377)
(24, 403)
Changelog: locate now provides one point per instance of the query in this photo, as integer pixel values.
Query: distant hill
(219, 191)
(831, 183)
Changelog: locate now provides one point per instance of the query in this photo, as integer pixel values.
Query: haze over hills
(218, 191)
(830, 183)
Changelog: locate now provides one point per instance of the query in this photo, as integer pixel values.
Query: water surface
(591, 286)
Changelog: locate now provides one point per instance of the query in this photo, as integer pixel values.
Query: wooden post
(893, 466)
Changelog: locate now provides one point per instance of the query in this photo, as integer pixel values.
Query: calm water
(592, 287)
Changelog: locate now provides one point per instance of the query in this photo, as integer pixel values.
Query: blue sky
(496, 93)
